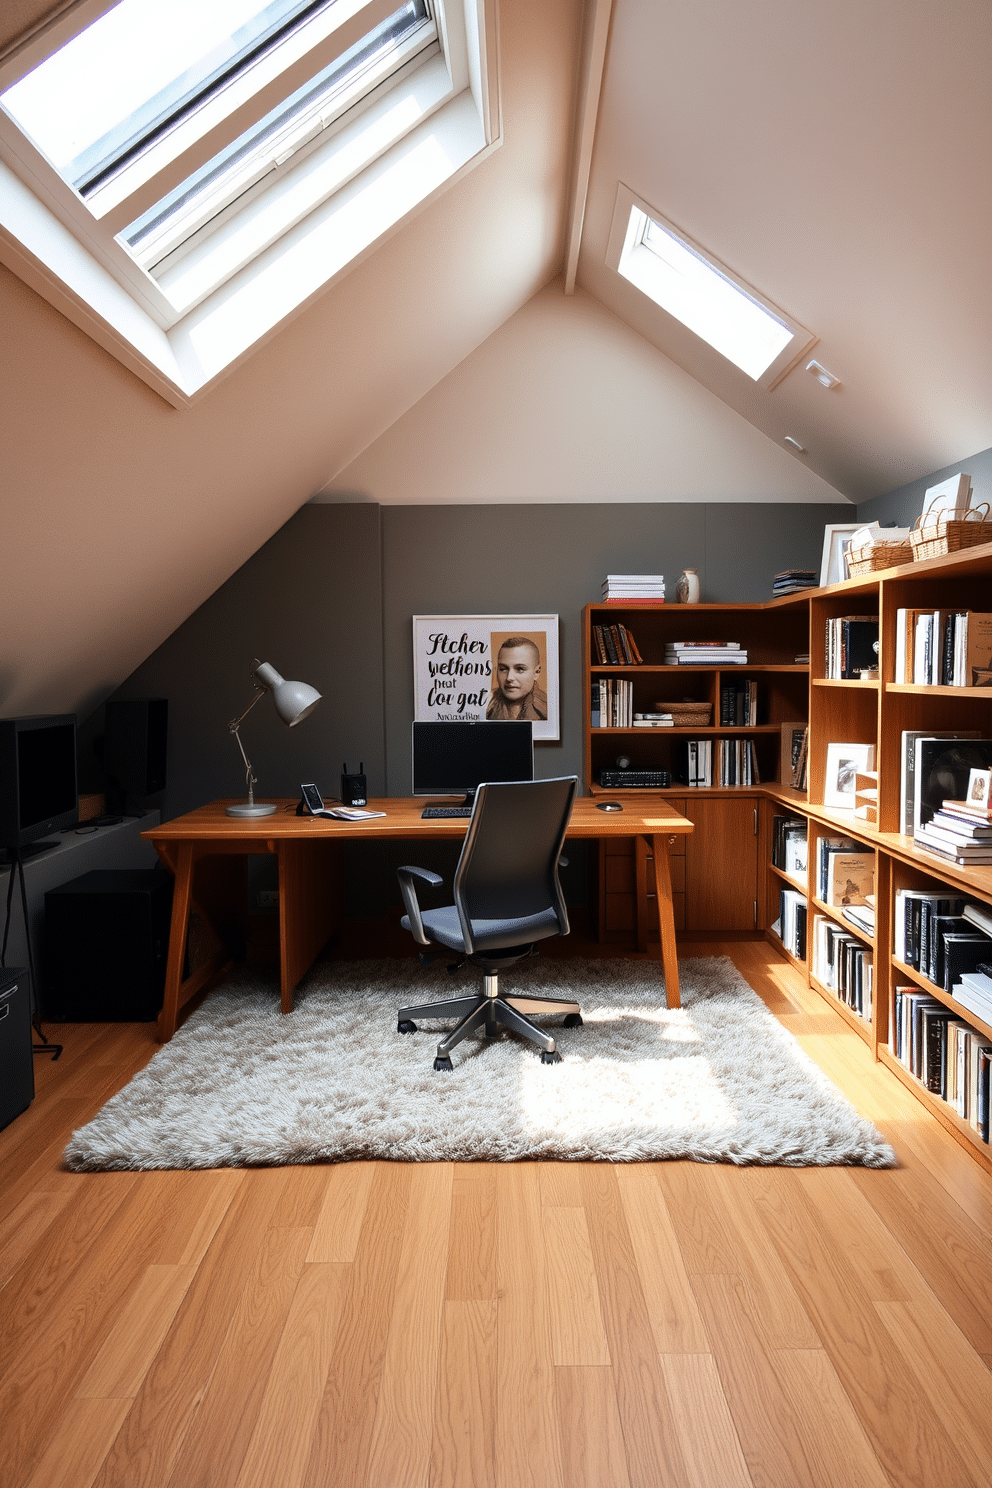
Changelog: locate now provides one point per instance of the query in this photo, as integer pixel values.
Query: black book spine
(947, 660)
(934, 1053)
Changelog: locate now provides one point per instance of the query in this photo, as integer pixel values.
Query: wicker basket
(872, 556)
(941, 536)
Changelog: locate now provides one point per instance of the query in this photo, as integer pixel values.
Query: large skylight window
(703, 294)
(203, 154)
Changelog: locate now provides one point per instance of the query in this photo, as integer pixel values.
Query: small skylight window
(704, 295)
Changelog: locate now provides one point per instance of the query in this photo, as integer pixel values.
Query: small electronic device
(354, 791)
(608, 806)
(312, 803)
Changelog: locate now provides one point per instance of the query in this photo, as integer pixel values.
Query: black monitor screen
(451, 759)
(46, 773)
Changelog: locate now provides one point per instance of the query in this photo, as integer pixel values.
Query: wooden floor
(532, 1325)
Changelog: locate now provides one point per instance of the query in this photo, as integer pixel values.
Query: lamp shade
(293, 700)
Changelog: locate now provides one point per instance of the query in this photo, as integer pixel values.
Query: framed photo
(947, 502)
(844, 763)
(468, 668)
(836, 539)
(979, 789)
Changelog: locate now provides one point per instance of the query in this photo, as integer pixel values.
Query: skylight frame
(635, 260)
(62, 256)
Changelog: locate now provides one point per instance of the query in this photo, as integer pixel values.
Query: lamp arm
(234, 727)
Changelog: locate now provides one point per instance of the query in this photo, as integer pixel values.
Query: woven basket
(872, 556)
(941, 536)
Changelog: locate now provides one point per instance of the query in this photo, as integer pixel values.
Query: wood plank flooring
(528, 1325)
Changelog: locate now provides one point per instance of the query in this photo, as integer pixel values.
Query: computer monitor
(451, 759)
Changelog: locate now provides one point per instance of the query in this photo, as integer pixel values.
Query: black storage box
(106, 945)
(16, 1044)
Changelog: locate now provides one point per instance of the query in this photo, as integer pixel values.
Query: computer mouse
(608, 806)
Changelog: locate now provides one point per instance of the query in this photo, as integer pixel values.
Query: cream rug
(718, 1080)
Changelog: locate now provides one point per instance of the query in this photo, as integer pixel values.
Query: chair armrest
(408, 889)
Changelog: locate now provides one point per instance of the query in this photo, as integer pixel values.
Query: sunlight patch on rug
(718, 1080)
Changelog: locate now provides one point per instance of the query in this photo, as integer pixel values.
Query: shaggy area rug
(718, 1080)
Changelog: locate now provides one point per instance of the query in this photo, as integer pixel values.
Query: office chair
(507, 897)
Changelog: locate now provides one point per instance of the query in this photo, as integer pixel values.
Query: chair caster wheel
(573, 1020)
(442, 1064)
(550, 1056)
(405, 1026)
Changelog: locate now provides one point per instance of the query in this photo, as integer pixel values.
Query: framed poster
(467, 668)
(836, 539)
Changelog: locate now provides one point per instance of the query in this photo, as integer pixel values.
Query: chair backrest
(509, 862)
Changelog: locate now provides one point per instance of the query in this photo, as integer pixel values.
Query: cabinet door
(721, 864)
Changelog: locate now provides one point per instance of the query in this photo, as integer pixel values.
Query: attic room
(440, 390)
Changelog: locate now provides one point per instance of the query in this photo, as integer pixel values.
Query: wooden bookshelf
(870, 712)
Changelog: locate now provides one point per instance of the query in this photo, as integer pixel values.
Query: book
(963, 952)
(980, 915)
(851, 878)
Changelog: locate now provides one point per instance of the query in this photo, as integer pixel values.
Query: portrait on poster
(468, 668)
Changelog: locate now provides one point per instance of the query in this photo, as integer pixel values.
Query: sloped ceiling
(838, 159)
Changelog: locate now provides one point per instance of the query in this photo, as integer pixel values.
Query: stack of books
(654, 720)
(631, 588)
(789, 834)
(739, 704)
(704, 653)
(959, 832)
(944, 648)
(793, 580)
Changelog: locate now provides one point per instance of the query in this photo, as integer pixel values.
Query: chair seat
(444, 927)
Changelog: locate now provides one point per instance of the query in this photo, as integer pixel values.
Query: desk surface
(646, 817)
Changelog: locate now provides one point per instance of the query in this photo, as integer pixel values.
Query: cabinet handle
(671, 841)
(755, 903)
(755, 821)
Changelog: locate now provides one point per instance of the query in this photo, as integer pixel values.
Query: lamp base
(259, 808)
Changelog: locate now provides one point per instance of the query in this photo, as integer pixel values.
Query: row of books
(612, 703)
(789, 835)
(851, 646)
(790, 927)
(941, 936)
(843, 964)
(628, 588)
(735, 759)
(615, 646)
(845, 873)
(945, 648)
(960, 831)
(705, 653)
(739, 704)
(945, 1053)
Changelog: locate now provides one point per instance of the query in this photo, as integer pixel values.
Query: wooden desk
(205, 850)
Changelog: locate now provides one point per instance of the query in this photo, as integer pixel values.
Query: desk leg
(309, 898)
(182, 896)
(666, 920)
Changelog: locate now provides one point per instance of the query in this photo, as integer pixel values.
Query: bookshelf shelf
(926, 985)
(847, 683)
(855, 1020)
(817, 906)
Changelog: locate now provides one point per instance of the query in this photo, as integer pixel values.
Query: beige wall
(566, 403)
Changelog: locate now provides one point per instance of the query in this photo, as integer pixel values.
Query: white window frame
(628, 256)
(181, 335)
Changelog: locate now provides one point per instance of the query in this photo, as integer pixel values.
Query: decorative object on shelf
(979, 789)
(467, 668)
(951, 498)
(866, 795)
(844, 763)
(937, 533)
(875, 548)
(687, 587)
(836, 537)
(294, 701)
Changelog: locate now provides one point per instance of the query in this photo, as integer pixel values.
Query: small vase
(687, 587)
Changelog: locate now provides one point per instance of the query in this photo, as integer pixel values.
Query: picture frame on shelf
(457, 676)
(948, 501)
(845, 762)
(836, 540)
(979, 789)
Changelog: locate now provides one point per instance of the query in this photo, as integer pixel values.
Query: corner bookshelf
(874, 712)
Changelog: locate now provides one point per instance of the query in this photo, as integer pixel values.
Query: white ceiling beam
(596, 33)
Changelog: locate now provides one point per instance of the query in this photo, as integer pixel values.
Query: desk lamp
(293, 700)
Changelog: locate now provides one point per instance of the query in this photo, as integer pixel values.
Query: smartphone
(313, 801)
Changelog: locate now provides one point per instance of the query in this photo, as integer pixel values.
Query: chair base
(487, 1014)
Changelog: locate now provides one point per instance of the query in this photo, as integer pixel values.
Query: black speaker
(106, 945)
(135, 743)
(16, 1053)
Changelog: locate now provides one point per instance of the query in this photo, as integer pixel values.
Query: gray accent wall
(329, 600)
(902, 506)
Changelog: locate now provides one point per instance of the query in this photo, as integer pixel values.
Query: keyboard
(431, 813)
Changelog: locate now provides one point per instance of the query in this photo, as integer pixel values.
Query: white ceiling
(837, 157)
